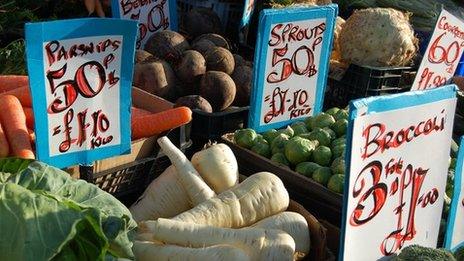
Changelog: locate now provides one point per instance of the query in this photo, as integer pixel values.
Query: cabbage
(47, 215)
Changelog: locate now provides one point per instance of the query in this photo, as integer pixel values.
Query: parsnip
(293, 224)
(258, 244)
(197, 190)
(164, 197)
(218, 166)
(149, 251)
(261, 195)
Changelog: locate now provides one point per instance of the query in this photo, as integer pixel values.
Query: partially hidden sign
(152, 15)
(398, 150)
(454, 237)
(291, 64)
(443, 53)
(80, 78)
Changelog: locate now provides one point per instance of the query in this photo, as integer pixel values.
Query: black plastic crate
(211, 126)
(460, 104)
(365, 81)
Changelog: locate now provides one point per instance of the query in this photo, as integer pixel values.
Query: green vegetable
(262, 149)
(298, 150)
(332, 133)
(322, 156)
(332, 111)
(287, 131)
(299, 129)
(323, 120)
(278, 143)
(416, 252)
(307, 168)
(322, 136)
(338, 165)
(459, 254)
(309, 122)
(245, 138)
(48, 215)
(337, 151)
(280, 159)
(340, 127)
(340, 115)
(336, 183)
(270, 135)
(322, 175)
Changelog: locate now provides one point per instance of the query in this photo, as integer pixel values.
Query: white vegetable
(292, 223)
(218, 166)
(259, 244)
(197, 190)
(149, 251)
(164, 197)
(259, 196)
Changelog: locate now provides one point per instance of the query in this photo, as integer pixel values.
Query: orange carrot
(23, 94)
(10, 82)
(31, 136)
(4, 147)
(13, 120)
(149, 125)
(29, 117)
(136, 112)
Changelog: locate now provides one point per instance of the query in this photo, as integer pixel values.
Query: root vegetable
(148, 251)
(197, 190)
(155, 76)
(218, 88)
(259, 244)
(164, 197)
(238, 60)
(203, 46)
(243, 78)
(218, 166)
(293, 224)
(194, 102)
(216, 39)
(200, 21)
(141, 55)
(192, 65)
(259, 196)
(220, 59)
(4, 147)
(167, 45)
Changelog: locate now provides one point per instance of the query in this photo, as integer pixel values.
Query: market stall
(231, 130)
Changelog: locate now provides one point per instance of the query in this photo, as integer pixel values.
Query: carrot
(31, 136)
(136, 112)
(10, 82)
(13, 120)
(29, 117)
(23, 94)
(4, 147)
(149, 125)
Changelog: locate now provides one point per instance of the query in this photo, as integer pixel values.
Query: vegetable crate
(365, 81)
(127, 182)
(313, 196)
(211, 126)
(229, 11)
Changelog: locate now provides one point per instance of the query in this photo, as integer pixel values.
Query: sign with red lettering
(81, 77)
(291, 64)
(152, 15)
(398, 150)
(454, 237)
(443, 53)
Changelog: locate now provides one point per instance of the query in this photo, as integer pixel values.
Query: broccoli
(416, 252)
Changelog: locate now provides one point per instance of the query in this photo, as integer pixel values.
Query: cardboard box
(141, 148)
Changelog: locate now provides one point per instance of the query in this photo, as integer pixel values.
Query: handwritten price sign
(291, 65)
(443, 53)
(81, 88)
(152, 15)
(454, 237)
(399, 147)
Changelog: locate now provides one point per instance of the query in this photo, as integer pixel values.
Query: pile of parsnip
(198, 210)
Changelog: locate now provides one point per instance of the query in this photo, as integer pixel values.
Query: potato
(192, 66)
(167, 45)
(216, 39)
(141, 55)
(243, 78)
(218, 88)
(155, 76)
(200, 21)
(194, 102)
(203, 46)
(220, 59)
